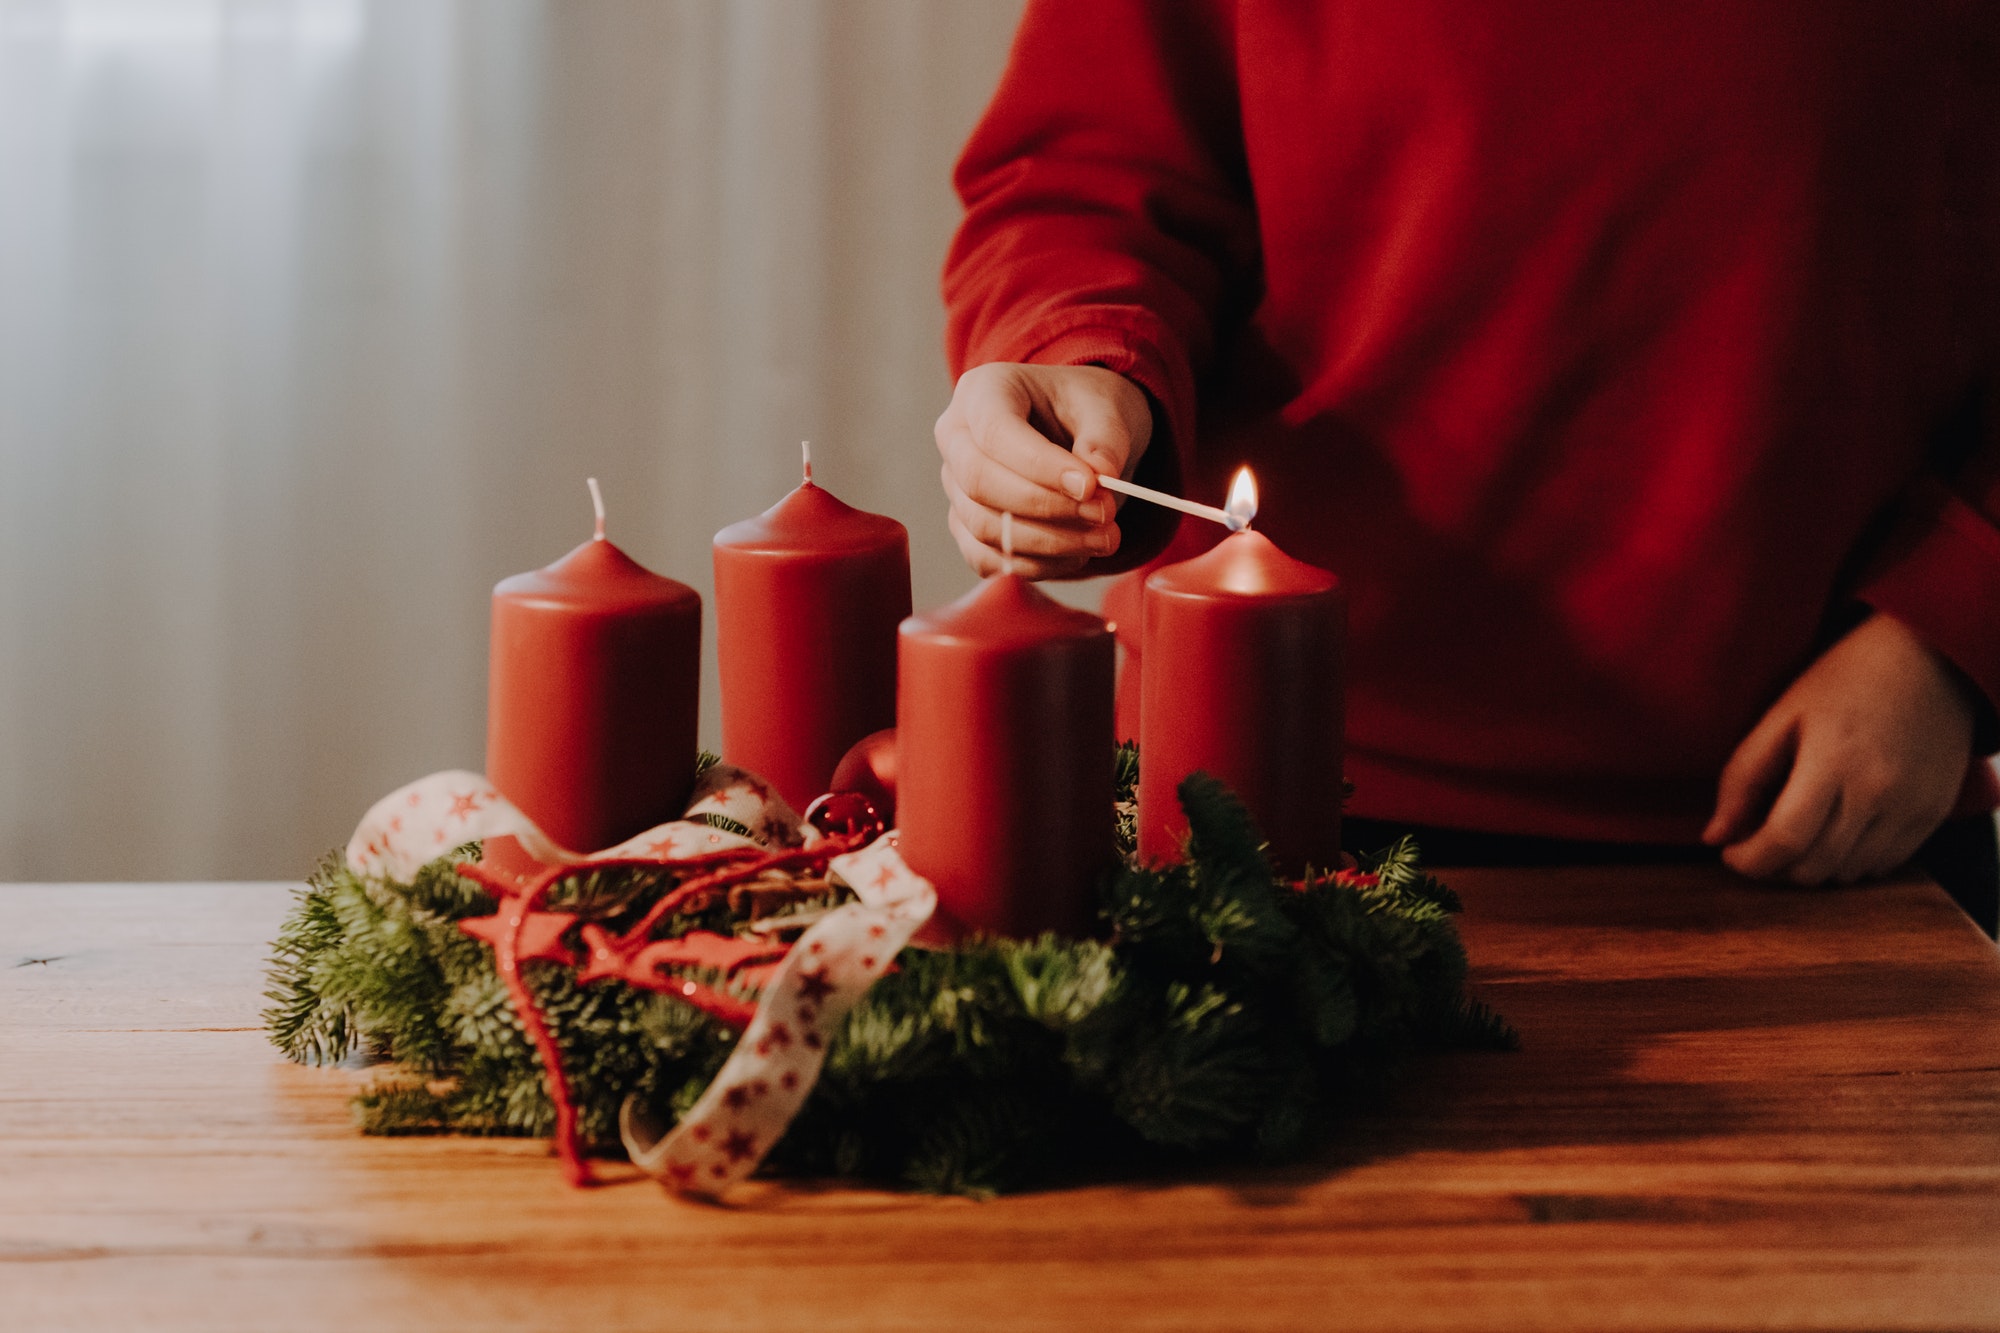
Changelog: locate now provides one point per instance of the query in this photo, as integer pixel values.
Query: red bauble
(846, 814)
(870, 768)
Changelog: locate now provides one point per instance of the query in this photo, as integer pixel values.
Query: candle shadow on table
(1659, 1060)
(1667, 1005)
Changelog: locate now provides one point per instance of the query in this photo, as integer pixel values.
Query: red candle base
(1004, 759)
(808, 596)
(593, 696)
(1241, 678)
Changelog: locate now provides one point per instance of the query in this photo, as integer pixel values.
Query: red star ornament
(541, 934)
(604, 957)
(726, 954)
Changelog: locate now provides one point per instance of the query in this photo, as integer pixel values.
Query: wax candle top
(600, 576)
(1005, 609)
(1245, 564)
(811, 519)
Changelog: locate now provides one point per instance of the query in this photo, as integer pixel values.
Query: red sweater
(1611, 353)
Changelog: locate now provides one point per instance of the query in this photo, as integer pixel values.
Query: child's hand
(1003, 439)
(1854, 766)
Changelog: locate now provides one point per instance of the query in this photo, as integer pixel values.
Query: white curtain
(315, 314)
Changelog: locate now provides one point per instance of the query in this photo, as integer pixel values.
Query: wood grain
(1736, 1107)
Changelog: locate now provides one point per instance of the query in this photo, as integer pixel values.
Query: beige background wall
(314, 315)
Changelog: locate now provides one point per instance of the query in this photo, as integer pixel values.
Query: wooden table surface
(1735, 1107)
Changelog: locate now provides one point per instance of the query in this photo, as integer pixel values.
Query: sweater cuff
(1135, 345)
(1939, 573)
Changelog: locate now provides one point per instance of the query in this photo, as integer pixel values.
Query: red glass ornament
(846, 814)
(870, 768)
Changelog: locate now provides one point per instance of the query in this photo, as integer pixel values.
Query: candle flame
(1242, 505)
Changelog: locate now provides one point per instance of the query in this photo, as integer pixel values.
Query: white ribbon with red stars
(415, 825)
(768, 1076)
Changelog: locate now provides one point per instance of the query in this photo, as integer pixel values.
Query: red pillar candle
(1004, 758)
(808, 595)
(1240, 677)
(593, 694)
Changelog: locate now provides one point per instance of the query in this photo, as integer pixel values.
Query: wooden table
(1735, 1107)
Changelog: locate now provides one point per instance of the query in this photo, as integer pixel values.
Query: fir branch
(1474, 1026)
(717, 820)
(1225, 1012)
(301, 1022)
(400, 1105)
(1125, 798)
(1197, 1074)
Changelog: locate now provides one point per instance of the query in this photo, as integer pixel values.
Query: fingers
(1889, 842)
(1828, 857)
(1871, 742)
(1839, 819)
(1002, 460)
(1107, 419)
(1005, 464)
(1808, 803)
(998, 459)
(1888, 823)
(996, 486)
(1031, 537)
(1808, 833)
(1753, 777)
(987, 560)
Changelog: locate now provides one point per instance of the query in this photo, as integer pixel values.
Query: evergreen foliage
(1225, 1012)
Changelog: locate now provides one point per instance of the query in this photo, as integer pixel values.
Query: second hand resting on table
(1845, 776)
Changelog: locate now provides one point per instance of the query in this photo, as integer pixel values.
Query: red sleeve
(1108, 216)
(1939, 570)
(1939, 573)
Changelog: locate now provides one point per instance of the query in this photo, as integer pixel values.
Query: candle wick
(597, 505)
(1007, 541)
(806, 449)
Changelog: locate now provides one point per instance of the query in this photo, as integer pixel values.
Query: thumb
(1104, 445)
(1751, 780)
(1106, 454)
(1102, 434)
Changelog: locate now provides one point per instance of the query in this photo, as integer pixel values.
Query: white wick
(1235, 523)
(597, 505)
(806, 449)
(1007, 541)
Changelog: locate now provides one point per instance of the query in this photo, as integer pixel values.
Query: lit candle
(1240, 678)
(807, 599)
(1004, 779)
(593, 694)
